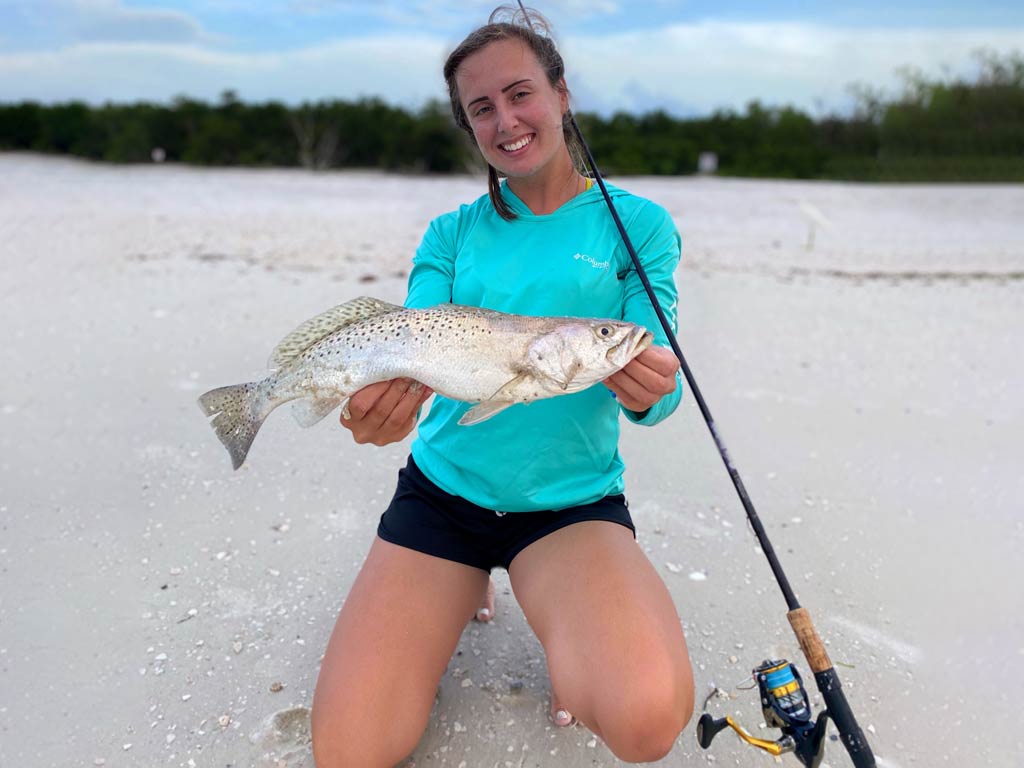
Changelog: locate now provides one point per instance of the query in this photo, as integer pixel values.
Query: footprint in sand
(284, 740)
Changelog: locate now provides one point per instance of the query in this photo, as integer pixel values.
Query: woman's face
(515, 113)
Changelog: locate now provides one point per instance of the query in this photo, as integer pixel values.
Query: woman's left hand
(646, 379)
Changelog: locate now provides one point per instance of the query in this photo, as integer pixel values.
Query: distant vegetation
(957, 130)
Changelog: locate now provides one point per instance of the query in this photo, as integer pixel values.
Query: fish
(493, 359)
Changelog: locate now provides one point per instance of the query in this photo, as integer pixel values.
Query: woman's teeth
(518, 145)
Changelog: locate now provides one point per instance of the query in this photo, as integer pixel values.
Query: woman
(537, 489)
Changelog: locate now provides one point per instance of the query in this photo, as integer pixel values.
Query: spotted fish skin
(464, 353)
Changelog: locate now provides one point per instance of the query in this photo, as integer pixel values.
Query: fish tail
(237, 413)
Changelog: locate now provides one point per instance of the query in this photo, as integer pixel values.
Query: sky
(687, 57)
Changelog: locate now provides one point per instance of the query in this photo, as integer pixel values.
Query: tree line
(956, 130)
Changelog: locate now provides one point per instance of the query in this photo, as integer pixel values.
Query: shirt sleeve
(658, 244)
(433, 265)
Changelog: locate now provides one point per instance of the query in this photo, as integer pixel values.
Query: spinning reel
(785, 705)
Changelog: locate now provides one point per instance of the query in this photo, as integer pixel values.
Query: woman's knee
(644, 724)
(341, 740)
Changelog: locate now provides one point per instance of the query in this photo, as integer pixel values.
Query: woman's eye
(520, 94)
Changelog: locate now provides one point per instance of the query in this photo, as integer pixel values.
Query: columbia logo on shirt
(592, 261)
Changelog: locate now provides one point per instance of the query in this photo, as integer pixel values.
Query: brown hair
(532, 29)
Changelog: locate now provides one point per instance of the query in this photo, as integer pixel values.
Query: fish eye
(605, 330)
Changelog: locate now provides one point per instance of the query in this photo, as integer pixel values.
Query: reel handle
(708, 728)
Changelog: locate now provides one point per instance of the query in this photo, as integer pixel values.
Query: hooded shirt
(562, 451)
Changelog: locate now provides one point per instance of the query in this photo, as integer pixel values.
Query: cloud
(684, 68)
(109, 20)
(401, 70)
(51, 24)
(716, 64)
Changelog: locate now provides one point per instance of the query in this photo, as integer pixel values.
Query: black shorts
(427, 519)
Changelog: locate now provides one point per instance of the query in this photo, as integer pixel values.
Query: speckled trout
(474, 355)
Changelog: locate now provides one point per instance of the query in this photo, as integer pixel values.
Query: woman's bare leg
(615, 649)
(390, 646)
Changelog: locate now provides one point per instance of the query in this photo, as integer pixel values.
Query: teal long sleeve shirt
(563, 451)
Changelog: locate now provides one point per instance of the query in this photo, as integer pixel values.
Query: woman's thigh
(615, 648)
(393, 639)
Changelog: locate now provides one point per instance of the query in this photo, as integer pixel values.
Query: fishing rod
(784, 699)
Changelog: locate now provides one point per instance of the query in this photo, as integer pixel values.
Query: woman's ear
(563, 95)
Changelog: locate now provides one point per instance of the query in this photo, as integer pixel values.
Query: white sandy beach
(158, 609)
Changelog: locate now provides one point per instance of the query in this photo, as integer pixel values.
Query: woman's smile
(518, 146)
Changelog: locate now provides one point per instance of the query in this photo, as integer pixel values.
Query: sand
(859, 345)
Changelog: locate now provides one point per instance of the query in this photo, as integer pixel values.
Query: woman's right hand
(384, 412)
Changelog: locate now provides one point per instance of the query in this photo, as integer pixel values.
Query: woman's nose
(507, 120)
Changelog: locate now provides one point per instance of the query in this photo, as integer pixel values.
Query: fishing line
(806, 744)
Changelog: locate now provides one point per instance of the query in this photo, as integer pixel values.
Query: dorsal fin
(324, 324)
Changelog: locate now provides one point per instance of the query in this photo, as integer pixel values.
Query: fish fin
(512, 390)
(484, 411)
(326, 323)
(510, 393)
(311, 410)
(236, 416)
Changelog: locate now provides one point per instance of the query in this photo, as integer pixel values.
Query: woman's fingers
(645, 379)
(661, 360)
(630, 393)
(403, 416)
(386, 404)
(384, 412)
(362, 401)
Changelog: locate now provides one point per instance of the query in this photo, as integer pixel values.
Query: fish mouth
(644, 339)
(636, 342)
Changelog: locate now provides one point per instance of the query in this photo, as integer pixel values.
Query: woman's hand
(646, 379)
(384, 412)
